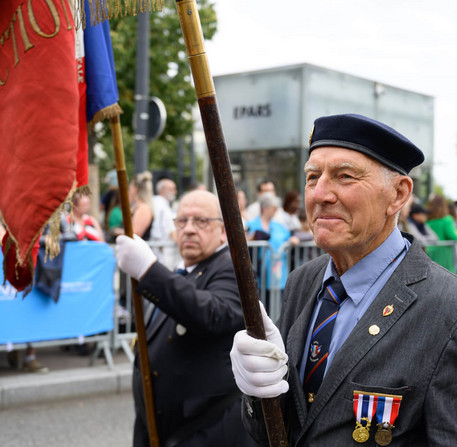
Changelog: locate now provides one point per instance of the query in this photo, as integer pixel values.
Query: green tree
(170, 80)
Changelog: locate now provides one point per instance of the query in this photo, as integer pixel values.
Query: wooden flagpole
(247, 285)
(137, 301)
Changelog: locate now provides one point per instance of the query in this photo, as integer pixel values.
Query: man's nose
(323, 191)
(189, 227)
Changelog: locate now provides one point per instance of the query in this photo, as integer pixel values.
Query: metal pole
(141, 117)
(137, 300)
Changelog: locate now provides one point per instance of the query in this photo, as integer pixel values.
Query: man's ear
(223, 235)
(402, 192)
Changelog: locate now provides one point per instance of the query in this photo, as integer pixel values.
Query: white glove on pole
(259, 366)
(134, 256)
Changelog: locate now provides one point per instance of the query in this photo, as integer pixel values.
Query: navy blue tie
(334, 295)
(182, 272)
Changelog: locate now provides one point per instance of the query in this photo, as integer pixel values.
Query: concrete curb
(30, 389)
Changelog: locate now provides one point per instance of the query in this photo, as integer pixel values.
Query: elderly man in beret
(365, 349)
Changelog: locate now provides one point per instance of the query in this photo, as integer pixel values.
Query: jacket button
(155, 373)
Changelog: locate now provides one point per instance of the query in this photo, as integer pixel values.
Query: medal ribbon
(388, 408)
(365, 405)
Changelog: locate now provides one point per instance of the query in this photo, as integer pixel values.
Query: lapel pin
(388, 310)
(374, 329)
(180, 329)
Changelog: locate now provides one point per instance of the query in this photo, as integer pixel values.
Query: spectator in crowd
(197, 186)
(85, 226)
(142, 208)
(304, 233)
(453, 211)
(264, 227)
(114, 220)
(189, 334)
(300, 255)
(442, 223)
(288, 214)
(107, 196)
(372, 321)
(418, 227)
(253, 210)
(163, 229)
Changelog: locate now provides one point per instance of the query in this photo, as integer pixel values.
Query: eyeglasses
(199, 222)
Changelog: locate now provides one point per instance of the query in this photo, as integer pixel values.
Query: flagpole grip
(137, 300)
(220, 163)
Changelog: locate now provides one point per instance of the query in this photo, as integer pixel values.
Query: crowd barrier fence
(118, 332)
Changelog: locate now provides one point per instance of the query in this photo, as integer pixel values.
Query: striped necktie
(334, 295)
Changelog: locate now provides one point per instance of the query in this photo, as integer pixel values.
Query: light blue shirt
(362, 283)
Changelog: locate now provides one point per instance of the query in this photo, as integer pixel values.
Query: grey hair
(269, 199)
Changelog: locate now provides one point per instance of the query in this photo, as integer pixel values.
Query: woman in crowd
(266, 228)
(140, 194)
(288, 214)
(442, 223)
(85, 226)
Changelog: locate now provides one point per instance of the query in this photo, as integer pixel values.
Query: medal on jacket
(384, 407)
(364, 410)
(361, 432)
(386, 413)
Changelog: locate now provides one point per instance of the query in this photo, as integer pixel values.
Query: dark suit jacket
(188, 345)
(414, 355)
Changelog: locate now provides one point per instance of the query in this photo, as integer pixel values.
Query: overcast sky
(409, 44)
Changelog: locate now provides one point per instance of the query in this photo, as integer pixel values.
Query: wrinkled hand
(259, 366)
(134, 256)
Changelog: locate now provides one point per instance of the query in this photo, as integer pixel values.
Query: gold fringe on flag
(105, 113)
(101, 10)
(52, 239)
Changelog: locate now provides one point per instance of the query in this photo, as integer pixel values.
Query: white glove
(259, 366)
(134, 256)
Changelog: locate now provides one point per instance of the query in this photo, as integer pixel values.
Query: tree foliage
(170, 80)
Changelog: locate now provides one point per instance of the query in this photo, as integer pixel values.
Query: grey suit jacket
(414, 355)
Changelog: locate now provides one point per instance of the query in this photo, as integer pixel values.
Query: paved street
(102, 421)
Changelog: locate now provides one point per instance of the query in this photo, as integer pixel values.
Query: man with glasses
(189, 334)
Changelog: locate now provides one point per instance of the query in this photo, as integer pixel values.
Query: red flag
(82, 165)
(38, 116)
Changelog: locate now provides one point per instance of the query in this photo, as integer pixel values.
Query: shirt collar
(190, 268)
(360, 277)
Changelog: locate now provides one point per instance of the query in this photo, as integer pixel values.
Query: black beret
(368, 136)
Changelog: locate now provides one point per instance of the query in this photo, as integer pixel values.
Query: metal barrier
(266, 265)
(443, 253)
(267, 268)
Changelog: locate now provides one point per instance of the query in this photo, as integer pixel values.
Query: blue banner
(101, 81)
(85, 306)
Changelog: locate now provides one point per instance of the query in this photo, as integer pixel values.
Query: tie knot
(182, 272)
(335, 292)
